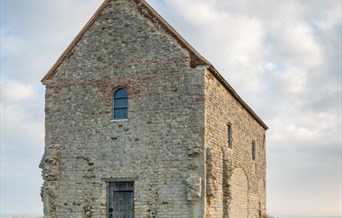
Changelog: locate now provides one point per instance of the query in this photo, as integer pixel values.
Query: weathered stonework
(235, 182)
(173, 144)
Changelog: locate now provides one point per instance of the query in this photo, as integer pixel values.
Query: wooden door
(121, 200)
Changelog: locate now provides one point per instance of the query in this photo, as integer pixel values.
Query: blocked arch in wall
(238, 206)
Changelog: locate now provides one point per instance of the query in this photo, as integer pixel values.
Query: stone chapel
(139, 124)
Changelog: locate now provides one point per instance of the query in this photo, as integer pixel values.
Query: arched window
(120, 104)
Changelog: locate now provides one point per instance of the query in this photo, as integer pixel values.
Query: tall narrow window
(120, 104)
(229, 135)
(253, 150)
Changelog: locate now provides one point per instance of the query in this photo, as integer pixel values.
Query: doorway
(121, 200)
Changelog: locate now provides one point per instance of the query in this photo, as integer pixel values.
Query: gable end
(236, 96)
(148, 12)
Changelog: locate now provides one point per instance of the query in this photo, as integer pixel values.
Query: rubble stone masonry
(173, 145)
(235, 183)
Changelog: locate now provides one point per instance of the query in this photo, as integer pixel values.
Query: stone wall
(235, 183)
(238, 194)
(173, 144)
(160, 146)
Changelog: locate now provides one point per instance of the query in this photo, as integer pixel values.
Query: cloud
(21, 111)
(22, 138)
(33, 35)
(282, 57)
(36, 32)
(15, 91)
(20, 179)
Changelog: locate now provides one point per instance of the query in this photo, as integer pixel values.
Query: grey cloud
(20, 180)
(300, 99)
(282, 57)
(41, 33)
(33, 35)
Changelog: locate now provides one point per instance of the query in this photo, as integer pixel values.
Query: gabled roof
(147, 11)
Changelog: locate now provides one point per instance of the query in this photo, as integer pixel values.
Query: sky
(282, 57)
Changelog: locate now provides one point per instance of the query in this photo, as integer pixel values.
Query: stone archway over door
(239, 194)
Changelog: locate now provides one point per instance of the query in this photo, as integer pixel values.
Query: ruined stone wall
(160, 146)
(235, 183)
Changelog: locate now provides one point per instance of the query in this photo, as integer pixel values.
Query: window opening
(120, 104)
(253, 150)
(230, 145)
